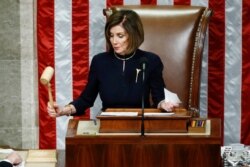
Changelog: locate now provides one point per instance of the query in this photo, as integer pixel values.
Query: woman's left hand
(168, 106)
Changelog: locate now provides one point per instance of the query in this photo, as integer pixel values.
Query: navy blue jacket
(117, 86)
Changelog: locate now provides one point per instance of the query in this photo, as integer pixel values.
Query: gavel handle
(50, 95)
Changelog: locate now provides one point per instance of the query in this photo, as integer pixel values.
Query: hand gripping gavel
(45, 80)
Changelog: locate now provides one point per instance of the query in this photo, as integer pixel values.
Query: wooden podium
(150, 150)
(176, 122)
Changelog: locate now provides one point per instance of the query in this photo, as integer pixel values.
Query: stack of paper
(41, 158)
(88, 127)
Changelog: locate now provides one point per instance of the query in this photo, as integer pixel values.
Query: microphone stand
(142, 100)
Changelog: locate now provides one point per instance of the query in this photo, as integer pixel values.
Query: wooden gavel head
(47, 75)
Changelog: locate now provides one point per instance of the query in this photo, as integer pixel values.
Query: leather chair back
(177, 35)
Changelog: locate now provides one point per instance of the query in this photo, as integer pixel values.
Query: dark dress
(115, 80)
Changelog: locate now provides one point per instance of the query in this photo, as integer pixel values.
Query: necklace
(124, 59)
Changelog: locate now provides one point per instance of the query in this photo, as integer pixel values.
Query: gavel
(45, 80)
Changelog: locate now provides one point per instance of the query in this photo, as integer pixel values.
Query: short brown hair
(131, 22)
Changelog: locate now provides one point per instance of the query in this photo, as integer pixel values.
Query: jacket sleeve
(89, 94)
(156, 81)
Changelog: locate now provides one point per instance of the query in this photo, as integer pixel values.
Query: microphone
(143, 62)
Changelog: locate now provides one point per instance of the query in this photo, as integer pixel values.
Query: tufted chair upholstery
(177, 35)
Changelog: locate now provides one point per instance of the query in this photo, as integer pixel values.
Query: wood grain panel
(143, 151)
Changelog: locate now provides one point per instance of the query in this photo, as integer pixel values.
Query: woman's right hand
(53, 111)
(56, 111)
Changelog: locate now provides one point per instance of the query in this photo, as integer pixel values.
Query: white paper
(159, 114)
(88, 127)
(171, 97)
(6, 151)
(119, 113)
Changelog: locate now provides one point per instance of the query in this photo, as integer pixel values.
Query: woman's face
(119, 39)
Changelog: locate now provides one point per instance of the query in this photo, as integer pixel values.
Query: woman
(117, 74)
